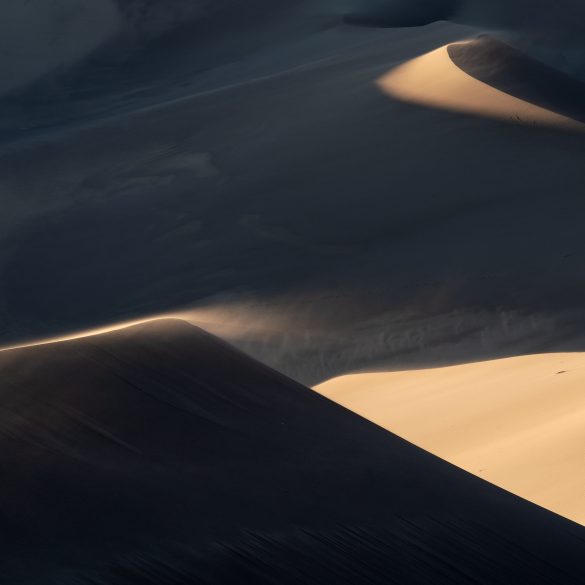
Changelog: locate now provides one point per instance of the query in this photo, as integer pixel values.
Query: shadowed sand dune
(158, 454)
(518, 422)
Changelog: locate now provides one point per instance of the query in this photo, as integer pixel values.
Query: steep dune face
(158, 454)
(518, 422)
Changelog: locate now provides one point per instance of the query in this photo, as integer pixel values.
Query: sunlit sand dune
(518, 422)
(435, 80)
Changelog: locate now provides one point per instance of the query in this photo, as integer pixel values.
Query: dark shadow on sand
(513, 72)
(401, 13)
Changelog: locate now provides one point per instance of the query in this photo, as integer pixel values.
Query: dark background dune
(157, 454)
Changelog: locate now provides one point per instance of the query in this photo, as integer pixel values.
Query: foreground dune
(519, 422)
(158, 454)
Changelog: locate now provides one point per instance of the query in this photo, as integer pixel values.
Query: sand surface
(435, 80)
(159, 454)
(518, 423)
(271, 172)
(254, 168)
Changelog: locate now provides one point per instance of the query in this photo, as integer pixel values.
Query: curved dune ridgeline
(486, 77)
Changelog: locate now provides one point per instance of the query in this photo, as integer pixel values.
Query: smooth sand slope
(158, 454)
(519, 422)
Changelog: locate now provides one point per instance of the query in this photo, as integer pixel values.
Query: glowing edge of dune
(518, 423)
(85, 333)
(433, 80)
(231, 320)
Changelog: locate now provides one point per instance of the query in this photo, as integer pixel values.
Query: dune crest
(439, 80)
(518, 423)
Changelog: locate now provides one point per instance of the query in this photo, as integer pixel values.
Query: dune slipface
(158, 454)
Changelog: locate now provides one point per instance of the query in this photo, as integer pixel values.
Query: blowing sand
(518, 423)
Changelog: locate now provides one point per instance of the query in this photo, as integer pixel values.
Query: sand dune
(519, 422)
(464, 77)
(515, 73)
(157, 453)
(284, 173)
(311, 191)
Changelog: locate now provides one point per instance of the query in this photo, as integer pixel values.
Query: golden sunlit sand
(518, 423)
(433, 80)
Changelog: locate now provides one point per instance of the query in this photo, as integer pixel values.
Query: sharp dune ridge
(159, 454)
(489, 78)
(506, 68)
(87, 333)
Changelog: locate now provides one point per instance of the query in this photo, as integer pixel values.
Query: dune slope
(485, 77)
(158, 454)
(515, 422)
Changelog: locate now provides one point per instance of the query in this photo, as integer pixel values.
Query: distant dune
(158, 454)
(488, 78)
(519, 423)
(512, 72)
